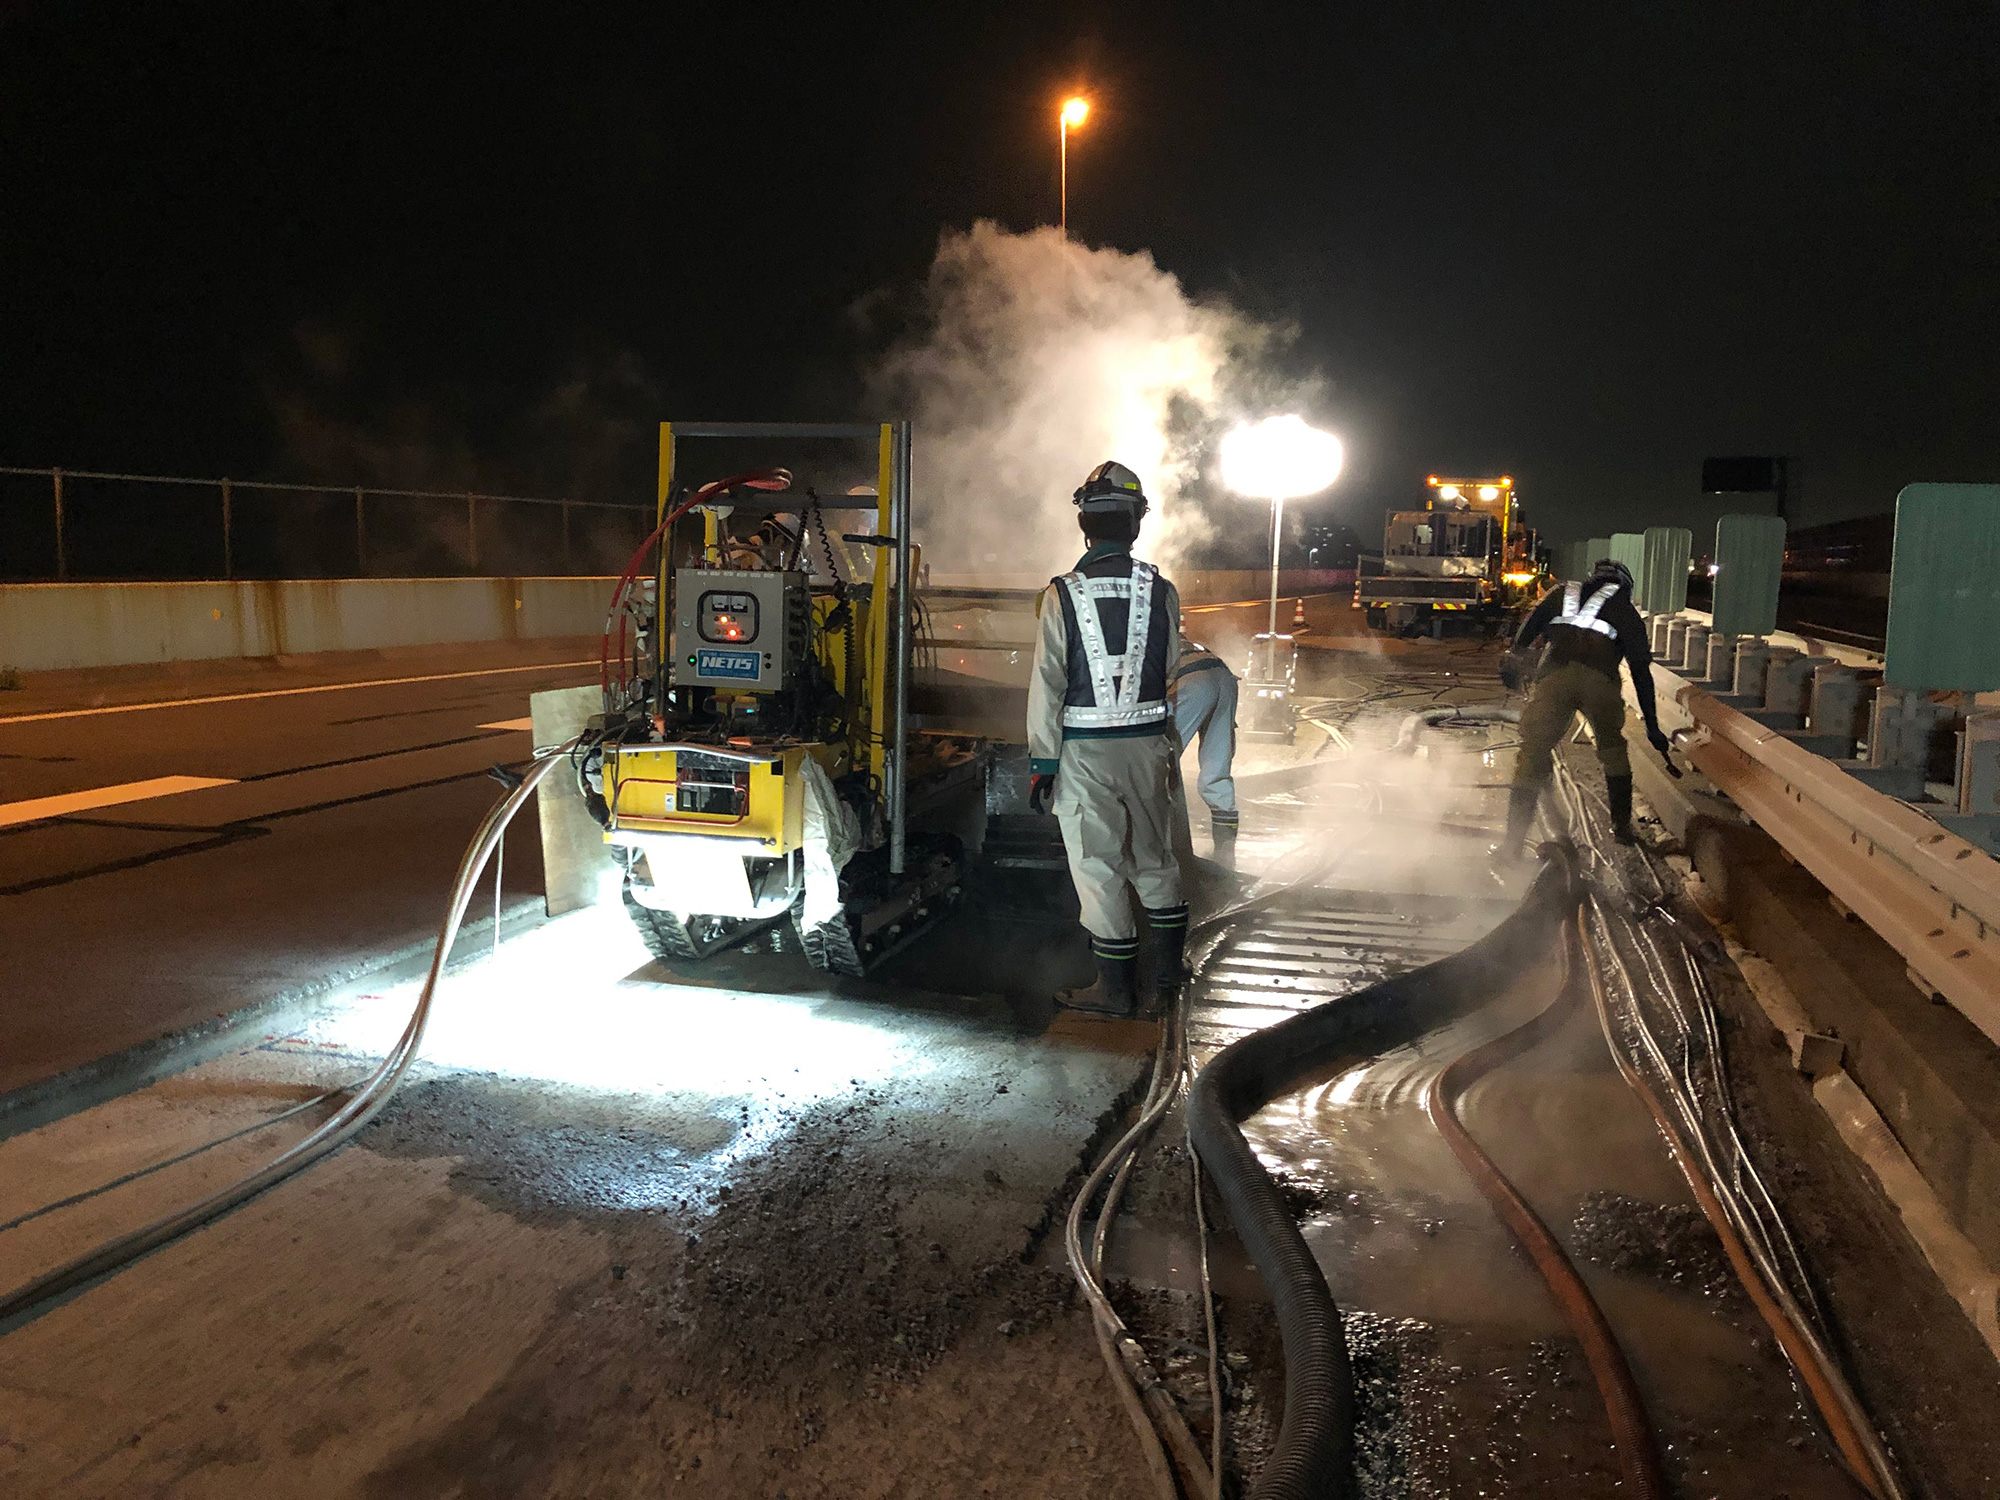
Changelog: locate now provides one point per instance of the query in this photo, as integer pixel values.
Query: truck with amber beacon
(1464, 562)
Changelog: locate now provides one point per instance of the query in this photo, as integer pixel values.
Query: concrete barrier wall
(1197, 585)
(46, 627)
(1227, 585)
(52, 626)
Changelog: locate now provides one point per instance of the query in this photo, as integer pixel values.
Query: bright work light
(1280, 458)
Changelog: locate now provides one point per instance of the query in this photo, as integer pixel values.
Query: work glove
(1510, 672)
(1041, 792)
(1658, 740)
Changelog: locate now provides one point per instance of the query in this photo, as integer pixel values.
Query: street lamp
(1279, 459)
(1074, 113)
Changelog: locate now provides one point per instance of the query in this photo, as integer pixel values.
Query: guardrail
(442, 512)
(1929, 894)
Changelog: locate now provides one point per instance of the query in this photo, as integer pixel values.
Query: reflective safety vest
(1583, 613)
(1113, 682)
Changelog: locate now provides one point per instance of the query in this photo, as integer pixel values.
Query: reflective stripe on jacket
(1110, 690)
(1582, 614)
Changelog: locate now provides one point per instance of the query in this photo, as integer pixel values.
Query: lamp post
(1074, 112)
(1279, 459)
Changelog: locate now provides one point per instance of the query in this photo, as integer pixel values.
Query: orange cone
(1299, 626)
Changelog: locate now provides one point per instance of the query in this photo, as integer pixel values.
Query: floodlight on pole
(1074, 112)
(1279, 459)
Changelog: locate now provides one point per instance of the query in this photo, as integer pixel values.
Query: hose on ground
(1834, 1399)
(362, 1105)
(1149, 1405)
(1139, 1390)
(1313, 1455)
(1425, 718)
(1725, 1181)
(1631, 1430)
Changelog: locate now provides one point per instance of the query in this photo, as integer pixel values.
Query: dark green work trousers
(1560, 695)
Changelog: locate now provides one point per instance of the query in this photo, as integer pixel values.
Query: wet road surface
(744, 1230)
(341, 800)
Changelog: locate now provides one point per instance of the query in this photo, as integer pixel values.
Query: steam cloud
(1035, 358)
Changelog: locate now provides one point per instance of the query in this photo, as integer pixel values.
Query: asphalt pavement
(176, 848)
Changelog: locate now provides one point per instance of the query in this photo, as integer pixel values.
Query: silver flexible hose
(1112, 1335)
(366, 1102)
(1753, 1217)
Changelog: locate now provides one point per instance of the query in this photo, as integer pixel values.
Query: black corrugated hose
(1314, 1454)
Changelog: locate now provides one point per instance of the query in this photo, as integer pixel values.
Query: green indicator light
(690, 661)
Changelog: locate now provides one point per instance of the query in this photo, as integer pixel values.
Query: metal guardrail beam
(1926, 892)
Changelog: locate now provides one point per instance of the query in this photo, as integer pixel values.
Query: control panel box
(739, 629)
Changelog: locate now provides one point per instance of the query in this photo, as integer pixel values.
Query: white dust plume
(1034, 359)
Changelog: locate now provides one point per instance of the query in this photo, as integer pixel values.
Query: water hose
(1313, 1455)
(1631, 1431)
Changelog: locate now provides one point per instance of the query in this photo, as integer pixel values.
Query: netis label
(742, 665)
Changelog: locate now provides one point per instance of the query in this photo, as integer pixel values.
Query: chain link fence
(75, 525)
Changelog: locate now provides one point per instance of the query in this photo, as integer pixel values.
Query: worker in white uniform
(1101, 745)
(1203, 694)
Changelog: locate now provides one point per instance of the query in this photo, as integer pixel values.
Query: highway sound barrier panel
(1573, 560)
(1629, 547)
(1663, 583)
(1944, 589)
(1750, 561)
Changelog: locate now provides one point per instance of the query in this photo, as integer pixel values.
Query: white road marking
(326, 687)
(510, 724)
(37, 808)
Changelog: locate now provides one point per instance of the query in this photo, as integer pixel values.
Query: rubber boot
(1116, 989)
(1170, 927)
(1618, 792)
(1222, 828)
(1520, 817)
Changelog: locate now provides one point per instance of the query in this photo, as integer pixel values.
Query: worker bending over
(1099, 744)
(1203, 693)
(1591, 627)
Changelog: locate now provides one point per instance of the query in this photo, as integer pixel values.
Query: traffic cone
(1299, 626)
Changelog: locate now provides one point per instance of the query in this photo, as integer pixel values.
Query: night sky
(434, 243)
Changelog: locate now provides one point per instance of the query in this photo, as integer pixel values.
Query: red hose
(1631, 1431)
(1819, 1384)
(770, 480)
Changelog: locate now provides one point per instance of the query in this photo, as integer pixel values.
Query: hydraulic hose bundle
(770, 480)
(363, 1104)
(1684, 1084)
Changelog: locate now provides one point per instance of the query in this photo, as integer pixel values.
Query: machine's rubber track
(833, 946)
(669, 939)
(883, 913)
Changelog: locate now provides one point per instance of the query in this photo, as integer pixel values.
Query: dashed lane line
(36, 808)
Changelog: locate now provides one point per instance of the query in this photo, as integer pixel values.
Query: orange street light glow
(1075, 111)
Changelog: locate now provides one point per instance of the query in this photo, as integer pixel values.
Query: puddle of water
(1473, 1380)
